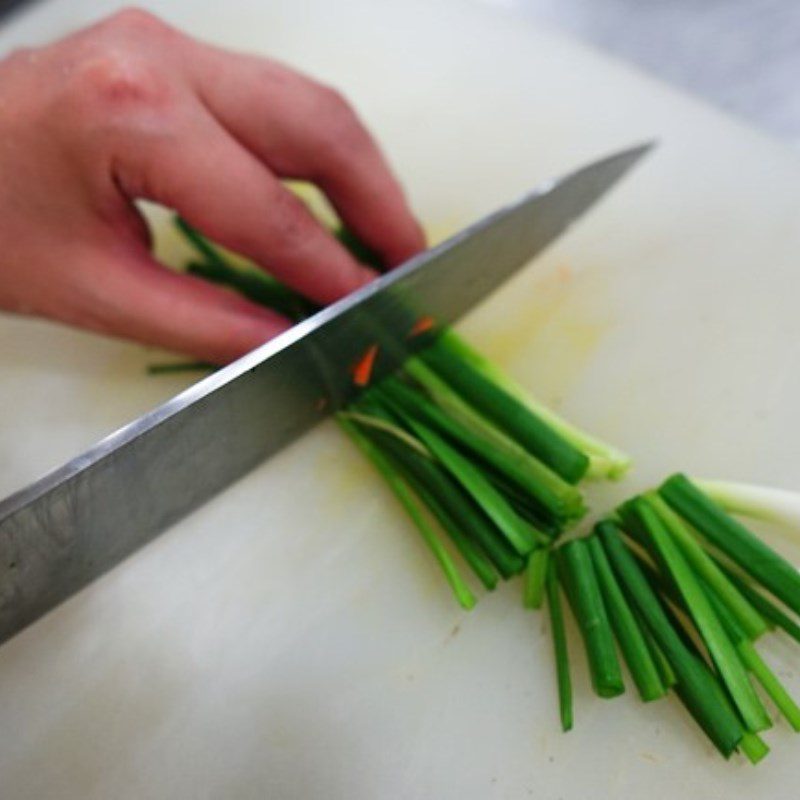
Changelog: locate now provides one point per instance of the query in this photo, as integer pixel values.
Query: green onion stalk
(495, 473)
(672, 585)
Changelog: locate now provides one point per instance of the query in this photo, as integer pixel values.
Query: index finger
(302, 129)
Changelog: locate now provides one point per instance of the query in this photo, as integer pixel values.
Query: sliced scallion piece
(750, 620)
(754, 747)
(560, 650)
(695, 682)
(753, 661)
(522, 537)
(586, 600)
(665, 671)
(605, 460)
(633, 644)
(509, 414)
(448, 495)
(528, 473)
(768, 609)
(403, 493)
(733, 539)
(535, 575)
(766, 503)
(716, 639)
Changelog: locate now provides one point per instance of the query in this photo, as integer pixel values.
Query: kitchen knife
(77, 522)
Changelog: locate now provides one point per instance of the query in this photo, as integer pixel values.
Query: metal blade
(66, 529)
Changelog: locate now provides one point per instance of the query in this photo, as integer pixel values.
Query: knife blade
(63, 531)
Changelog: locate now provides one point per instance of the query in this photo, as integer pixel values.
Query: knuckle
(118, 81)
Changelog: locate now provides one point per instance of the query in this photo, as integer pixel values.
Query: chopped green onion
(778, 506)
(752, 622)
(754, 747)
(203, 246)
(695, 682)
(772, 686)
(752, 660)
(511, 461)
(583, 592)
(470, 550)
(632, 642)
(509, 414)
(719, 645)
(665, 671)
(771, 612)
(733, 539)
(560, 649)
(535, 576)
(406, 497)
(522, 537)
(456, 503)
(605, 461)
(387, 426)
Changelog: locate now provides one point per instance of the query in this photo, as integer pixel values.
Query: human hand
(134, 109)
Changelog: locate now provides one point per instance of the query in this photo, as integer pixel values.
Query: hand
(132, 108)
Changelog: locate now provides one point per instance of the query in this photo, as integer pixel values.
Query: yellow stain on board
(549, 325)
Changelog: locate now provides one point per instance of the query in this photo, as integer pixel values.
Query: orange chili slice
(362, 371)
(422, 325)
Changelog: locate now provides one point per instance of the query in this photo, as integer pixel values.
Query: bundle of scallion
(468, 454)
(671, 582)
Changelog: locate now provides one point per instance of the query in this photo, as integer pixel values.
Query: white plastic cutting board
(293, 638)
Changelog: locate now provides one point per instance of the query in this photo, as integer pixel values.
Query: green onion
(535, 576)
(447, 495)
(778, 506)
(583, 592)
(632, 642)
(470, 550)
(665, 671)
(605, 461)
(754, 747)
(526, 506)
(256, 286)
(733, 539)
(560, 650)
(509, 414)
(752, 660)
(522, 537)
(518, 466)
(771, 612)
(719, 645)
(695, 682)
(752, 622)
(203, 246)
(406, 497)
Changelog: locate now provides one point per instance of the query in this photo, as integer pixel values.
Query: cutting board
(292, 639)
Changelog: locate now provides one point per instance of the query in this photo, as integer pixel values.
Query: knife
(66, 529)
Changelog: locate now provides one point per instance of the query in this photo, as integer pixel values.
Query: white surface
(293, 639)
